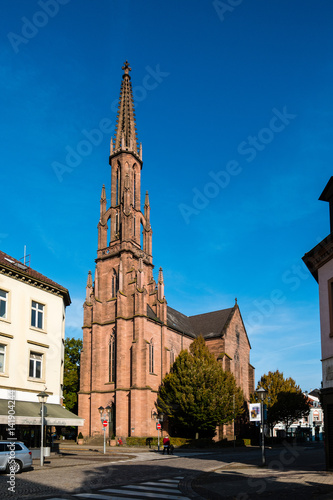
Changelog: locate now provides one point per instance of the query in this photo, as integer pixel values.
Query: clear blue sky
(234, 111)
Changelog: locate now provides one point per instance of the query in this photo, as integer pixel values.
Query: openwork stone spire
(126, 137)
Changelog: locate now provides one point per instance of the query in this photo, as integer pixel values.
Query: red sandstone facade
(130, 335)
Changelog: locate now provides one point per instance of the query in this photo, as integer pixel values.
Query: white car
(14, 456)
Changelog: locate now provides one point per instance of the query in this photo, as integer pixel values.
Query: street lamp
(105, 412)
(159, 418)
(42, 397)
(261, 392)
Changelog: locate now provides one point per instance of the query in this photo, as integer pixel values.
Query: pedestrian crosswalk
(163, 489)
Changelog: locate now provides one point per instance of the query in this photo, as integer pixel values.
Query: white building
(319, 261)
(32, 334)
(310, 427)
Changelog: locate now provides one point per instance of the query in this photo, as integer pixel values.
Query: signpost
(105, 412)
(158, 427)
(105, 424)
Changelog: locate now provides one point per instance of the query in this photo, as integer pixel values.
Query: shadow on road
(236, 475)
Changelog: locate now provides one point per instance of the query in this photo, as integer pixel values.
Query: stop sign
(105, 423)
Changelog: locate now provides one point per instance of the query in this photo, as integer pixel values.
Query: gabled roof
(10, 265)
(315, 393)
(209, 325)
(180, 322)
(327, 194)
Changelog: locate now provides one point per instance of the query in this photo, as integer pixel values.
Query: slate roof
(180, 322)
(315, 393)
(152, 315)
(10, 263)
(209, 325)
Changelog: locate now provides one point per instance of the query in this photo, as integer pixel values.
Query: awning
(28, 413)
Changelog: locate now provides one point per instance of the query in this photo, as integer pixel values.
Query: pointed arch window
(117, 225)
(117, 186)
(114, 283)
(151, 356)
(112, 356)
(134, 188)
(236, 366)
(172, 356)
(141, 237)
(134, 226)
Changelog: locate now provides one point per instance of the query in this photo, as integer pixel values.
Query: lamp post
(42, 397)
(159, 419)
(105, 412)
(262, 394)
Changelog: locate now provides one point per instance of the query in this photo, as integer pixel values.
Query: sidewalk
(297, 477)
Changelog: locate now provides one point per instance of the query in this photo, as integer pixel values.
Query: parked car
(14, 456)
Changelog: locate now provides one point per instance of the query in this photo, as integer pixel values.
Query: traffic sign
(158, 426)
(105, 423)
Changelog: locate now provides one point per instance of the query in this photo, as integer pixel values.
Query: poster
(255, 412)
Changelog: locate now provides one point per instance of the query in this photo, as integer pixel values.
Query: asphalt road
(199, 471)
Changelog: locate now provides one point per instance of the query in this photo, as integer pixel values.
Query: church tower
(124, 306)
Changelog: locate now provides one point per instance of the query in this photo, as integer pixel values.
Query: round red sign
(105, 423)
(158, 426)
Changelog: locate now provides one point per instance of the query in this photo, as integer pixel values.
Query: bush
(140, 441)
(178, 442)
(80, 436)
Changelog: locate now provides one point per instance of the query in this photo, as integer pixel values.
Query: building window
(117, 187)
(2, 358)
(114, 287)
(3, 304)
(134, 189)
(151, 357)
(117, 225)
(37, 315)
(35, 365)
(112, 358)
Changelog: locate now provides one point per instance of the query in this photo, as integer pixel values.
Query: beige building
(32, 333)
(131, 336)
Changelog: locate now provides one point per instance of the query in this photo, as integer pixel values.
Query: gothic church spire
(126, 137)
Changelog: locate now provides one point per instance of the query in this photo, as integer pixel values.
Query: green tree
(197, 394)
(275, 384)
(72, 373)
(289, 407)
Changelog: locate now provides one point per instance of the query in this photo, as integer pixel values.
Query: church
(131, 337)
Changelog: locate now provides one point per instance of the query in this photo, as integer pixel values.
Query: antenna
(25, 258)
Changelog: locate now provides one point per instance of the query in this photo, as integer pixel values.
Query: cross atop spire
(126, 137)
(126, 68)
